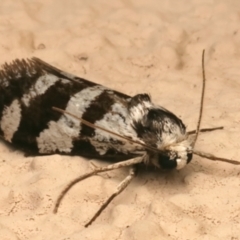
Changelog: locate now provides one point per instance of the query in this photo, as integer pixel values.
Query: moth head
(175, 156)
(161, 129)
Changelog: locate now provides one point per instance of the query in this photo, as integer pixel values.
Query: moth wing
(30, 88)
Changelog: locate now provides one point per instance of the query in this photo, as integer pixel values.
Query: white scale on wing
(11, 118)
(116, 120)
(60, 135)
(40, 87)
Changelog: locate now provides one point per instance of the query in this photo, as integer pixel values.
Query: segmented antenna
(200, 153)
(215, 158)
(202, 100)
(205, 130)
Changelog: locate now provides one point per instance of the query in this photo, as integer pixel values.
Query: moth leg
(126, 181)
(111, 167)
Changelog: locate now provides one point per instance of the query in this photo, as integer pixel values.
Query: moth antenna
(123, 185)
(199, 153)
(202, 100)
(89, 124)
(111, 167)
(205, 130)
(215, 158)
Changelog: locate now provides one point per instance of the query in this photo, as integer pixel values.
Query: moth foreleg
(111, 167)
(126, 181)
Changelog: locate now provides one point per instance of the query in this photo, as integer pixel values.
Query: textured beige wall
(131, 46)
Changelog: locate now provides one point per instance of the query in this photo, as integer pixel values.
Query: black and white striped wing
(28, 91)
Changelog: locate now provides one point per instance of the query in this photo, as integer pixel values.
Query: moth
(44, 110)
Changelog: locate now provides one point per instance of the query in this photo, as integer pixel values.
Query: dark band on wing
(15, 80)
(96, 111)
(39, 113)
